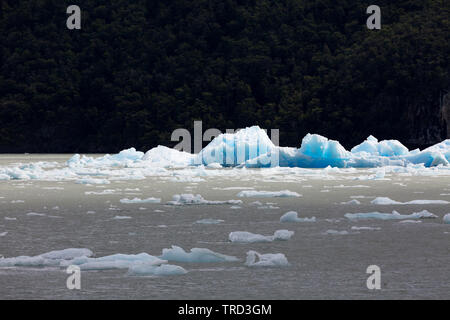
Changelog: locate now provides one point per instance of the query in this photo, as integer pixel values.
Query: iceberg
(190, 199)
(446, 218)
(255, 259)
(248, 237)
(292, 216)
(268, 194)
(49, 259)
(390, 216)
(137, 200)
(247, 148)
(196, 255)
(387, 201)
(232, 149)
(144, 269)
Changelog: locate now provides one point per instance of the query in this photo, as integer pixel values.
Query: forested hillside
(139, 69)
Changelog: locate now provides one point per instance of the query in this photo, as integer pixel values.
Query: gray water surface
(413, 257)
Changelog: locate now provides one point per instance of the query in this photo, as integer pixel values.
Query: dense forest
(139, 69)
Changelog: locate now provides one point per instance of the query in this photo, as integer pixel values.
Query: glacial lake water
(413, 256)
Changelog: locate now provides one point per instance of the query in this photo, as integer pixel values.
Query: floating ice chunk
(319, 147)
(410, 221)
(352, 202)
(292, 216)
(2, 234)
(255, 259)
(122, 218)
(390, 216)
(10, 219)
(446, 218)
(336, 232)
(386, 148)
(137, 200)
(388, 201)
(196, 255)
(209, 221)
(115, 261)
(248, 237)
(144, 269)
(365, 228)
(190, 199)
(52, 258)
(232, 149)
(92, 181)
(35, 214)
(166, 157)
(268, 194)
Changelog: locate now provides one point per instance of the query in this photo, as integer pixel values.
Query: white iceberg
(446, 218)
(255, 259)
(232, 149)
(268, 194)
(144, 269)
(292, 216)
(390, 216)
(388, 201)
(190, 199)
(248, 237)
(209, 221)
(49, 259)
(138, 200)
(196, 255)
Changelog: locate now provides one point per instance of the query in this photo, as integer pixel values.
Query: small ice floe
(325, 190)
(268, 194)
(92, 181)
(189, 199)
(122, 218)
(17, 201)
(101, 193)
(248, 237)
(55, 208)
(90, 212)
(157, 210)
(292, 216)
(269, 207)
(53, 188)
(336, 232)
(52, 258)
(145, 269)
(137, 200)
(10, 219)
(196, 255)
(446, 218)
(256, 203)
(141, 264)
(234, 188)
(35, 214)
(352, 202)
(390, 216)
(358, 197)
(235, 207)
(209, 221)
(388, 201)
(255, 259)
(2, 234)
(365, 228)
(410, 221)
